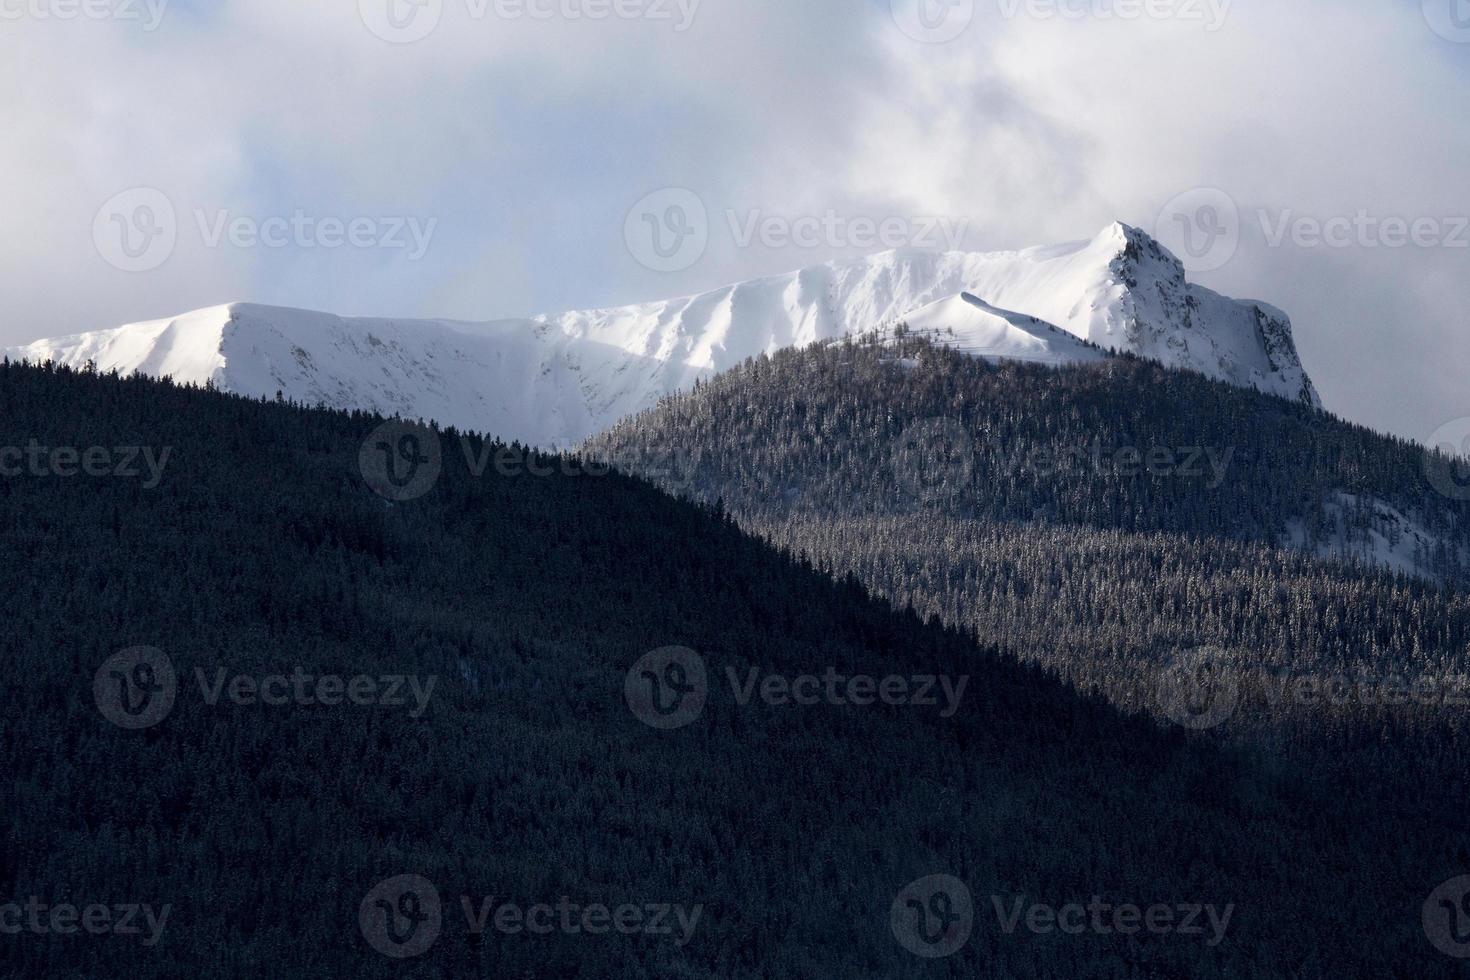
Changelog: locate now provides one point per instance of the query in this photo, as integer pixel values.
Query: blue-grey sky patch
(527, 140)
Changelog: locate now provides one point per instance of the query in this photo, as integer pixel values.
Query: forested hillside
(1019, 502)
(898, 425)
(255, 540)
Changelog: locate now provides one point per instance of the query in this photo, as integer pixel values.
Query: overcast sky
(480, 158)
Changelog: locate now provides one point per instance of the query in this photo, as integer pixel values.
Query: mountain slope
(532, 382)
(1120, 291)
(555, 380)
(1085, 516)
(972, 326)
(267, 827)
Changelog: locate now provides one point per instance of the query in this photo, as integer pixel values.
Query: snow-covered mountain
(968, 323)
(555, 380)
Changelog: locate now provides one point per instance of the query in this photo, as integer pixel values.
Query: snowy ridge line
(553, 381)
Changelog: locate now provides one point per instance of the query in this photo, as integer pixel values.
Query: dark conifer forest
(524, 601)
(1010, 500)
(972, 493)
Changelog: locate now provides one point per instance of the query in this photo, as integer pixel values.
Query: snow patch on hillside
(1373, 532)
(969, 324)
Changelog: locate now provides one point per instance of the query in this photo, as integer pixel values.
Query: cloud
(528, 139)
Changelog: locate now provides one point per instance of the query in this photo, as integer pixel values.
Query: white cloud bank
(527, 133)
